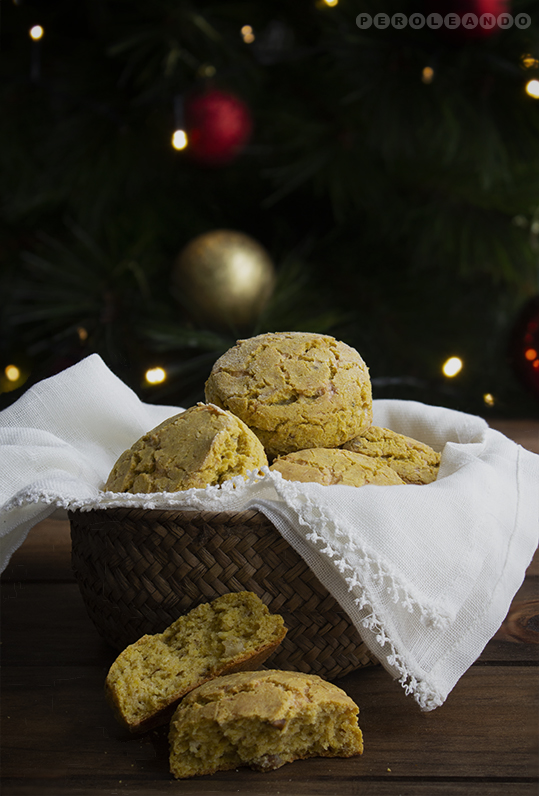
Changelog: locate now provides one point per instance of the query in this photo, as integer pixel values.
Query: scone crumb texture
(235, 631)
(262, 720)
(414, 461)
(295, 390)
(330, 466)
(203, 446)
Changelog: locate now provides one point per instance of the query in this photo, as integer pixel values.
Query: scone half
(261, 720)
(234, 632)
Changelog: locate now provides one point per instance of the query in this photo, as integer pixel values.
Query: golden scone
(203, 446)
(335, 466)
(295, 390)
(232, 633)
(415, 462)
(262, 720)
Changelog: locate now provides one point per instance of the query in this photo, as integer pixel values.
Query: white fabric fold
(425, 573)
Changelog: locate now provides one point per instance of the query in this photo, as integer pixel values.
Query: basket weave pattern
(139, 569)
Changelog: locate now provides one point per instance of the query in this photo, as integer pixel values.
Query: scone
(203, 446)
(415, 462)
(295, 390)
(335, 466)
(262, 720)
(234, 632)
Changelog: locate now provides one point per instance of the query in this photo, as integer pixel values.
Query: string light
(529, 62)
(82, 333)
(247, 33)
(12, 372)
(36, 33)
(331, 3)
(155, 375)
(532, 88)
(452, 366)
(530, 354)
(179, 139)
(427, 75)
(488, 398)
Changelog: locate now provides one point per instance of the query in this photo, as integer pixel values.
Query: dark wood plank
(392, 786)
(505, 646)
(488, 725)
(45, 554)
(46, 624)
(523, 432)
(56, 724)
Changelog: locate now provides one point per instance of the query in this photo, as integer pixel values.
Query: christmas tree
(178, 175)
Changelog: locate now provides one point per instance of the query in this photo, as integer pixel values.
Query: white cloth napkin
(425, 573)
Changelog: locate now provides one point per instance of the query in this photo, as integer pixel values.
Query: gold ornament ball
(223, 278)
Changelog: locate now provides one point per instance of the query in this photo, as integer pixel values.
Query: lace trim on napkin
(375, 571)
(371, 567)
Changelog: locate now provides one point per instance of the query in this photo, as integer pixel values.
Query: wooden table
(60, 739)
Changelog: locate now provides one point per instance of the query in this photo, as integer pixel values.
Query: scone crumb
(235, 631)
(262, 720)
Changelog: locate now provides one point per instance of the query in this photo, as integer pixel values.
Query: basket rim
(121, 510)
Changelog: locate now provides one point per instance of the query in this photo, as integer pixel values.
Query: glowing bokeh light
(247, 33)
(529, 62)
(12, 373)
(155, 375)
(452, 366)
(179, 139)
(427, 75)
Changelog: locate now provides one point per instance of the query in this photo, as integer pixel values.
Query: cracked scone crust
(329, 466)
(262, 720)
(232, 633)
(203, 446)
(413, 461)
(295, 390)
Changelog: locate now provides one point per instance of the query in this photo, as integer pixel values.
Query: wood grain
(523, 432)
(521, 625)
(390, 786)
(73, 732)
(45, 555)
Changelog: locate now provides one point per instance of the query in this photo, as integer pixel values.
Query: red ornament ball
(525, 346)
(470, 13)
(218, 125)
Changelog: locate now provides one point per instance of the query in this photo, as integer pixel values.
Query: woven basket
(139, 569)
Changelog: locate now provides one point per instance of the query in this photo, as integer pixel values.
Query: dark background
(401, 213)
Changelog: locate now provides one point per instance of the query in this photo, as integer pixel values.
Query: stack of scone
(308, 399)
(301, 404)
(297, 401)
